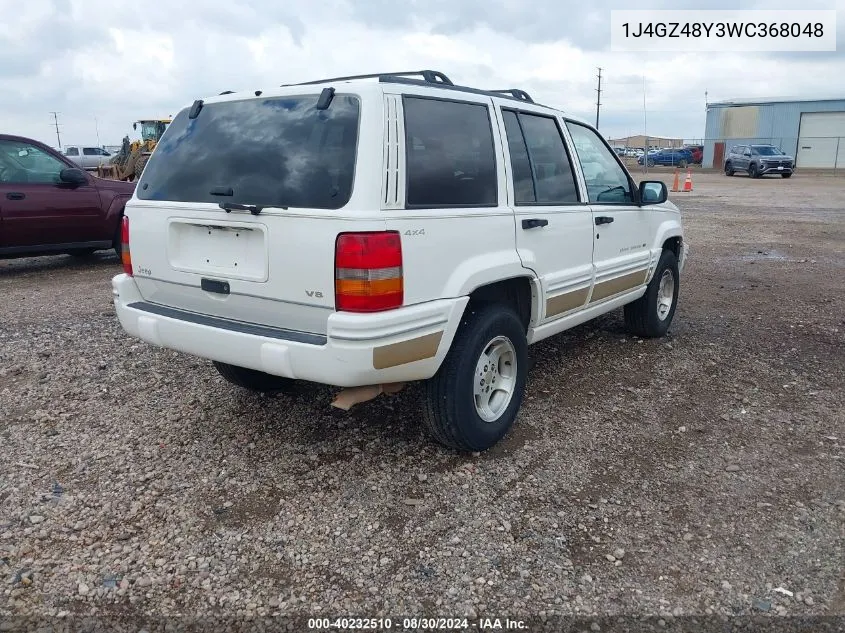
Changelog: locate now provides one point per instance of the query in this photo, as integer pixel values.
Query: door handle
(533, 223)
(15, 195)
(603, 219)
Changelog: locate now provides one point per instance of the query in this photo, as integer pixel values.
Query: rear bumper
(358, 349)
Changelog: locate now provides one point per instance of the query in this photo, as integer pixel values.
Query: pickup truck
(87, 156)
(49, 205)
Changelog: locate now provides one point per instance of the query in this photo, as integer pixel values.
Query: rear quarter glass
(271, 152)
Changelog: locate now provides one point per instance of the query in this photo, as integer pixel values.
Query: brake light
(368, 271)
(125, 255)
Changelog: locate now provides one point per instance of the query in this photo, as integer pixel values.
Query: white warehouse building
(811, 130)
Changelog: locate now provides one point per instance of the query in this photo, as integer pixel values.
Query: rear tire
(252, 379)
(473, 400)
(682, 164)
(651, 315)
(139, 166)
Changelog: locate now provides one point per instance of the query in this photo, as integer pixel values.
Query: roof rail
(430, 76)
(516, 93)
(227, 92)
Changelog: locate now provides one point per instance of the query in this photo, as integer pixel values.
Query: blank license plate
(222, 250)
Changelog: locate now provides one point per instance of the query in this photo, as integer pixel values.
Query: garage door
(820, 138)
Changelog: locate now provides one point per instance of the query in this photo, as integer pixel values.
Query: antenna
(56, 123)
(97, 130)
(598, 100)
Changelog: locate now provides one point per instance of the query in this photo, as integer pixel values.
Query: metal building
(811, 130)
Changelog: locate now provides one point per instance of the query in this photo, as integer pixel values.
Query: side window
(523, 181)
(450, 156)
(72, 151)
(90, 151)
(554, 182)
(607, 181)
(25, 163)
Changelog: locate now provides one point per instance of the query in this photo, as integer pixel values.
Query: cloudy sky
(104, 63)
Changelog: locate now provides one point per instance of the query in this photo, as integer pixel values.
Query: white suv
(386, 228)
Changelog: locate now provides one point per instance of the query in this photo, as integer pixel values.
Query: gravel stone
(198, 498)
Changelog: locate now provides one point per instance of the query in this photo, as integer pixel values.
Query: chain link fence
(808, 152)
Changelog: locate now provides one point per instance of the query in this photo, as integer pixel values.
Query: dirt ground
(699, 474)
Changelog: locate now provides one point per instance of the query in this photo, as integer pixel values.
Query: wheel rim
(665, 294)
(495, 378)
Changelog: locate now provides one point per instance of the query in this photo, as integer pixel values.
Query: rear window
(280, 152)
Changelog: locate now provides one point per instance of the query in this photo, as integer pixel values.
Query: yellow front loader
(129, 163)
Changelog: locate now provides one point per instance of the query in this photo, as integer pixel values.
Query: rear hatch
(236, 213)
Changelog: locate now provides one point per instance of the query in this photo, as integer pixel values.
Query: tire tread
(440, 415)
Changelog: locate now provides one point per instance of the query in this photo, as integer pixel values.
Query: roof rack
(516, 93)
(425, 77)
(429, 76)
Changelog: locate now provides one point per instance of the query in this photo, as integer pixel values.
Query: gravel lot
(698, 474)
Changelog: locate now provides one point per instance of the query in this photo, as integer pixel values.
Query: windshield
(152, 130)
(277, 152)
(766, 150)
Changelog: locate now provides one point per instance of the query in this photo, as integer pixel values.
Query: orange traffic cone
(676, 184)
(688, 181)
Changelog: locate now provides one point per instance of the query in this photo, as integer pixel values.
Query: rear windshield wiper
(254, 209)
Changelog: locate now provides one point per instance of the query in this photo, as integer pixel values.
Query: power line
(598, 100)
(56, 123)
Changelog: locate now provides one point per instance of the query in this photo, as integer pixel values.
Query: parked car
(759, 160)
(87, 156)
(363, 234)
(672, 157)
(50, 205)
(697, 152)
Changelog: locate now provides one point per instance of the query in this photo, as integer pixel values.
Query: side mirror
(653, 192)
(73, 176)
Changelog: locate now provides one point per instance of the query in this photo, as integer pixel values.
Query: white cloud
(119, 61)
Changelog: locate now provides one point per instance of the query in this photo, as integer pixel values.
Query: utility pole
(598, 100)
(56, 123)
(645, 129)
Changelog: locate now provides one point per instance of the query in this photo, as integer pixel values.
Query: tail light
(368, 271)
(125, 255)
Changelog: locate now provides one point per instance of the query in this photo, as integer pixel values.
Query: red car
(697, 153)
(49, 205)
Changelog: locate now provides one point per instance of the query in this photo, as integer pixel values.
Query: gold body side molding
(408, 351)
(566, 302)
(612, 287)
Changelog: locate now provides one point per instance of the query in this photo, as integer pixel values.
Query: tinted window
(72, 151)
(91, 151)
(270, 152)
(523, 182)
(553, 179)
(607, 181)
(25, 163)
(450, 156)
